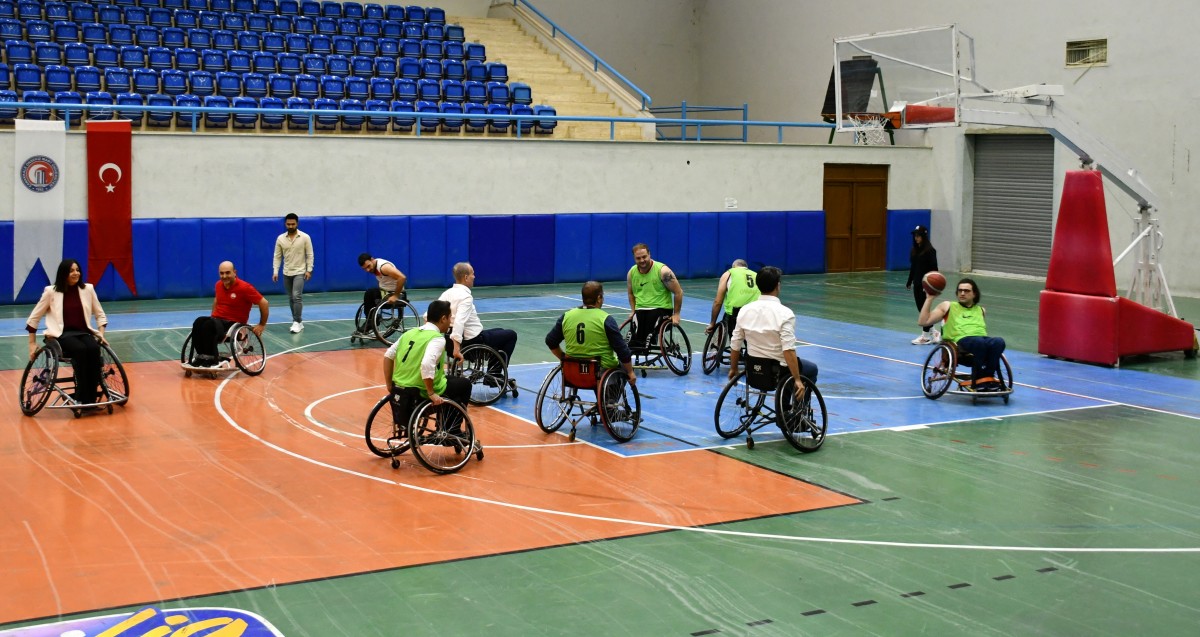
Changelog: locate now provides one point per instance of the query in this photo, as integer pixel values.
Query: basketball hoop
(869, 129)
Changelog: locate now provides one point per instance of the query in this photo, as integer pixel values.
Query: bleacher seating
(324, 55)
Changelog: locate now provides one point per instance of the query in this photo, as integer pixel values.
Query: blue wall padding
(672, 245)
(458, 245)
(258, 251)
(900, 224)
(37, 281)
(225, 240)
(387, 237)
(183, 272)
(731, 238)
(766, 239)
(492, 250)
(610, 256)
(572, 248)
(6, 265)
(315, 227)
(146, 258)
(640, 227)
(703, 240)
(533, 242)
(345, 237)
(427, 252)
(806, 242)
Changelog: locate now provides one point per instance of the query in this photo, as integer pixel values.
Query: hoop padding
(921, 115)
(1081, 255)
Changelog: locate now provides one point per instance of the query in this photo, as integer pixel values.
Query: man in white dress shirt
(466, 328)
(768, 328)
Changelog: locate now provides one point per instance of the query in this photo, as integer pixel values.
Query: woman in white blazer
(68, 306)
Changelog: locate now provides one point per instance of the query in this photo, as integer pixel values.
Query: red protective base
(1102, 329)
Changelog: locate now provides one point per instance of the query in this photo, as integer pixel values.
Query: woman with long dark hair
(69, 306)
(922, 260)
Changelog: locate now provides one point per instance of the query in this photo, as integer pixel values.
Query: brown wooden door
(855, 203)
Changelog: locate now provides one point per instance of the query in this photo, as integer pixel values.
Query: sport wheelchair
(743, 406)
(487, 369)
(716, 345)
(48, 378)
(618, 405)
(669, 347)
(385, 322)
(942, 371)
(242, 346)
(441, 437)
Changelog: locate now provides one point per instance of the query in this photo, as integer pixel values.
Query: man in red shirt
(232, 303)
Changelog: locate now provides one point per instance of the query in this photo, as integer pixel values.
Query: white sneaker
(935, 336)
(296, 327)
(923, 339)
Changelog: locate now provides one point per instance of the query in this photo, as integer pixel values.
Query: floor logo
(39, 173)
(192, 622)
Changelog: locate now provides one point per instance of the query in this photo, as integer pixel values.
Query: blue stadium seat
(385, 67)
(298, 103)
(366, 45)
(174, 81)
(173, 4)
(289, 63)
(389, 47)
(273, 42)
(325, 122)
(475, 91)
(406, 90)
(454, 70)
(136, 15)
(352, 10)
(245, 120)
(184, 118)
(349, 27)
(429, 90)
(476, 51)
(410, 48)
(520, 93)
(81, 13)
(187, 59)
(18, 52)
(201, 83)
(403, 124)
(544, 126)
(224, 40)
(342, 45)
(174, 37)
(314, 64)
(94, 33)
(145, 81)
(352, 122)
(415, 13)
(453, 91)
(161, 17)
(233, 21)
(382, 89)
(159, 118)
(199, 38)
(239, 61)
(123, 3)
(289, 7)
(393, 29)
(338, 65)
(429, 124)
(320, 44)
(87, 79)
(27, 77)
(327, 26)
(296, 43)
(133, 57)
(455, 33)
(451, 124)
(372, 28)
(131, 99)
(249, 41)
(333, 87)
(260, 23)
(476, 71)
(229, 83)
(434, 32)
(394, 12)
(254, 85)
(431, 49)
(216, 120)
(271, 120)
(477, 120)
(282, 86)
(372, 11)
(38, 31)
(497, 72)
(69, 97)
(454, 51)
(362, 65)
(244, 6)
(209, 20)
(432, 69)
(147, 36)
(221, 6)
(304, 25)
(524, 125)
(58, 78)
(498, 125)
(308, 86)
(120, 34)
(377, 122)
(264, 62)
(11, 29)
(497, 93)
(331, 9)
(36, 97)
(358, 88)
(160, 58)
(267, 6)
(281, 24)
(67, 33)
(99, 98)
(413, 30)
(105, 56)
(186, 19)
(110, 14)
(5, 77)
(435, 15)
(118, 80)
(197, 5)
(47, 53)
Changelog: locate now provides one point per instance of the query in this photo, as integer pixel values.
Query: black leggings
(84, 351)
(207, 331)
(919, 296)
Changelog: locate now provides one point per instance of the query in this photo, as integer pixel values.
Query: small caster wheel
(187, 373)
(77, 412)
(749, 443)
(395, 463)
(110, 410)
(643, 373)
(479, 455)
(1006, 400)
(571, 436)
(515, 392)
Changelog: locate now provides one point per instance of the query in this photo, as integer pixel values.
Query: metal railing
(684, 110)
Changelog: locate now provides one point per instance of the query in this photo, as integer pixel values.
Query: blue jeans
(293, 286)
(986, 350)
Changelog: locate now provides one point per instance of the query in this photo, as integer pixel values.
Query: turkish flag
(110, 209)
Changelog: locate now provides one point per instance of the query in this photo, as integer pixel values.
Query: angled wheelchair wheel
(37, 383)
(385, 438)
(714, 348)
(442, 437)
(248, 352)
(487, 371)
(552, 403)
(938, 372)
(361, 322)
(620, 405)
(1004, 374)
(390, 320)
(803, 422)
(737, 407)
(112, 377)
(675, 347)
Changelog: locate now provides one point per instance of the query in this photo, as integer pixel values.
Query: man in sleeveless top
(390, 280)
(966, 326)
(735, 289)
(654, 295)
(589, 332)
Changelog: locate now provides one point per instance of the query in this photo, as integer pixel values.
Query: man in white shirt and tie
(466, 328)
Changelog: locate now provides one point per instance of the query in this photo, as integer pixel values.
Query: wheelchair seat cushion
(762, 373)
(581, 373)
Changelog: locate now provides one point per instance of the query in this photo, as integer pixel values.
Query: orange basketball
(933, 283)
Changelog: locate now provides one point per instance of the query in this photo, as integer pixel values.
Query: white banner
(39, 198)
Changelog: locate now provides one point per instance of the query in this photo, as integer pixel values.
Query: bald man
(231, 304)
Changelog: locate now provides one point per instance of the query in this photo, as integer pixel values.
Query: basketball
(933, 283)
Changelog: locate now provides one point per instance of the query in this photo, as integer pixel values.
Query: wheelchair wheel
(803, 423)
(552, 404)
(479, 360)
(112, 377)
(714, 348)
(385, 438)
(620, 405)
(248, 352)
(361, 324)
(390, 320)
(676, 349)
(737, 407)
(37, 383)
(938, 372)
(1005, 376)
(442, 437)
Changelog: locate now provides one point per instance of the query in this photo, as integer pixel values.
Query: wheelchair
(716, 345)
(385, 322)
(49, 381)
(743, 406)
(441, 437)
(618, 406)
(669, 347)
(943, 374)
(241, 345)
(487, 369)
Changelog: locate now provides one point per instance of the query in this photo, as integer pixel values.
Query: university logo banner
(39, 198)
(110, 193)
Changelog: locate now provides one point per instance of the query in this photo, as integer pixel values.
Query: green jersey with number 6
(406, 370)
(584, 335)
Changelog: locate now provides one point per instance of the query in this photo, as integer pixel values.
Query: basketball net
(869, 130)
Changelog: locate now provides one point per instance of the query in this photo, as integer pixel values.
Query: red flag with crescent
(110, 209)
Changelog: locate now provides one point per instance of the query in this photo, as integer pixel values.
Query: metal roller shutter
(1013, 204)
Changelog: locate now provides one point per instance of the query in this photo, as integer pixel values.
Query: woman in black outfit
(922, 260)
(69, 307)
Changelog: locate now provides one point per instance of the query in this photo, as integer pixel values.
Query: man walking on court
(466, 328)
(294, 250)
(735, 289)
(654, 294)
